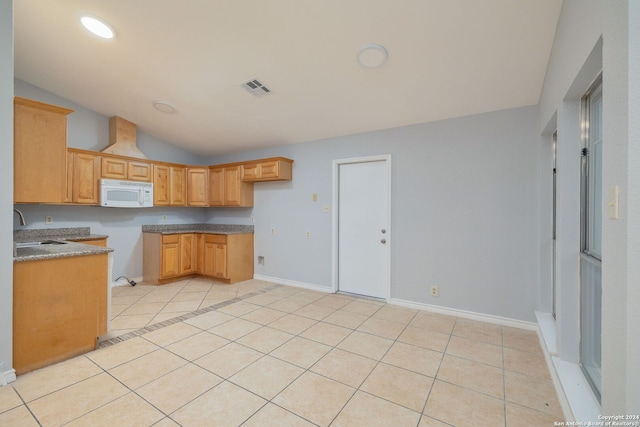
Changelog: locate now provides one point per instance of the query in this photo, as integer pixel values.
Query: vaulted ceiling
(446, 58)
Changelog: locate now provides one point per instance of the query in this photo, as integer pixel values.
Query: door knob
(383, 241)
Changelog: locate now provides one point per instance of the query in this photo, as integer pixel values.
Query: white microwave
(126, 194)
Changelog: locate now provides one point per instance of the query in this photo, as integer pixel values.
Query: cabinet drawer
(171, 238)
(215, 238)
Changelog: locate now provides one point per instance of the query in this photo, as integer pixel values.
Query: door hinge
(584, 152)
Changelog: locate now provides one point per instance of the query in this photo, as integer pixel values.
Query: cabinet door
(170, 264)
(270, 169)
(188, 254)
(199, 253)
(251, 171)
(232, 183)
(209, 258)
(113, 168)
(178, 186)
(220, 260)
(138, 171)
(216, 187)
(40, 150)
(69, 184)
(160, 185)
(86, 172)
(197, 186)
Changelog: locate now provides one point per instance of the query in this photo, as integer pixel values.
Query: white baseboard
(293, 283)
(418, 306)
(7, 377)
(471, 315)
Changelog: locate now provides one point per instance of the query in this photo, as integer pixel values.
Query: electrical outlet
(260, 259)
(164, 218)
(434, 291)
(308, 234)
(325, 209)
(48, 219)
(252, 219)
(273, 231)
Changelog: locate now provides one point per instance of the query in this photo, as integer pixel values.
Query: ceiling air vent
(256, 87)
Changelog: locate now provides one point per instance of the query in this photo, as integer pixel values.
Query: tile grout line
(183, 317)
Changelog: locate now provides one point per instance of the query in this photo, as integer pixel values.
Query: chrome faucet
(22, 221)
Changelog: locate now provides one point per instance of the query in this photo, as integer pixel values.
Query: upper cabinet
(46, 171)
(275, 169)
(131, 170)
(226, 187)
(197, 186)
(40, 152)
(84, 173)
(169, 185)
(178, 185)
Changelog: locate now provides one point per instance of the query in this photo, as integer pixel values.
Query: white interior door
(363, 235)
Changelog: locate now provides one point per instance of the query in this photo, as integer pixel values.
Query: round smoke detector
(372, 55)
(164, 106)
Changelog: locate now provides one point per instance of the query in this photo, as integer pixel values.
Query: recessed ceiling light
(372, 55)
(97, 27)
(164, 106)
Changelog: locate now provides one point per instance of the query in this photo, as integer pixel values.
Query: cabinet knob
(384, 230)
(383, 241)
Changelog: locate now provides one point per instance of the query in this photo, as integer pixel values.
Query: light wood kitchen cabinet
(169, 257)
(226, 187)
(169, 185)
(40, 152)
(275, 169)
(197, 187)
(215, 255)
(85, 177)
(130, 170)
(199, 253)
(160, 185)
(178, 185)
(59, 309)
(187, 253)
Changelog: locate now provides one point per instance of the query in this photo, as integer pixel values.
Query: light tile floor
(259, 354)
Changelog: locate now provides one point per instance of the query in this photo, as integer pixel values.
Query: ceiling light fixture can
(97, 26)
(164, 106)
(372, 55)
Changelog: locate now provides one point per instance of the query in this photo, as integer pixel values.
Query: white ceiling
(447, 58)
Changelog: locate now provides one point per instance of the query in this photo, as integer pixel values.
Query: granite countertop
(66, 249)
(198, 228)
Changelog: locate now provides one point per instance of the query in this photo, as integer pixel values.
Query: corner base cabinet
(227, 258)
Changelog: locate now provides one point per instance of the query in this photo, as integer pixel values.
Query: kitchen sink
(34, 248)
(39, 243)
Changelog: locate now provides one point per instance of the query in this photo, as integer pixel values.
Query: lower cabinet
(60, 309)
(224, 257)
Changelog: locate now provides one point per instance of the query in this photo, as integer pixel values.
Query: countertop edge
(78, 252)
